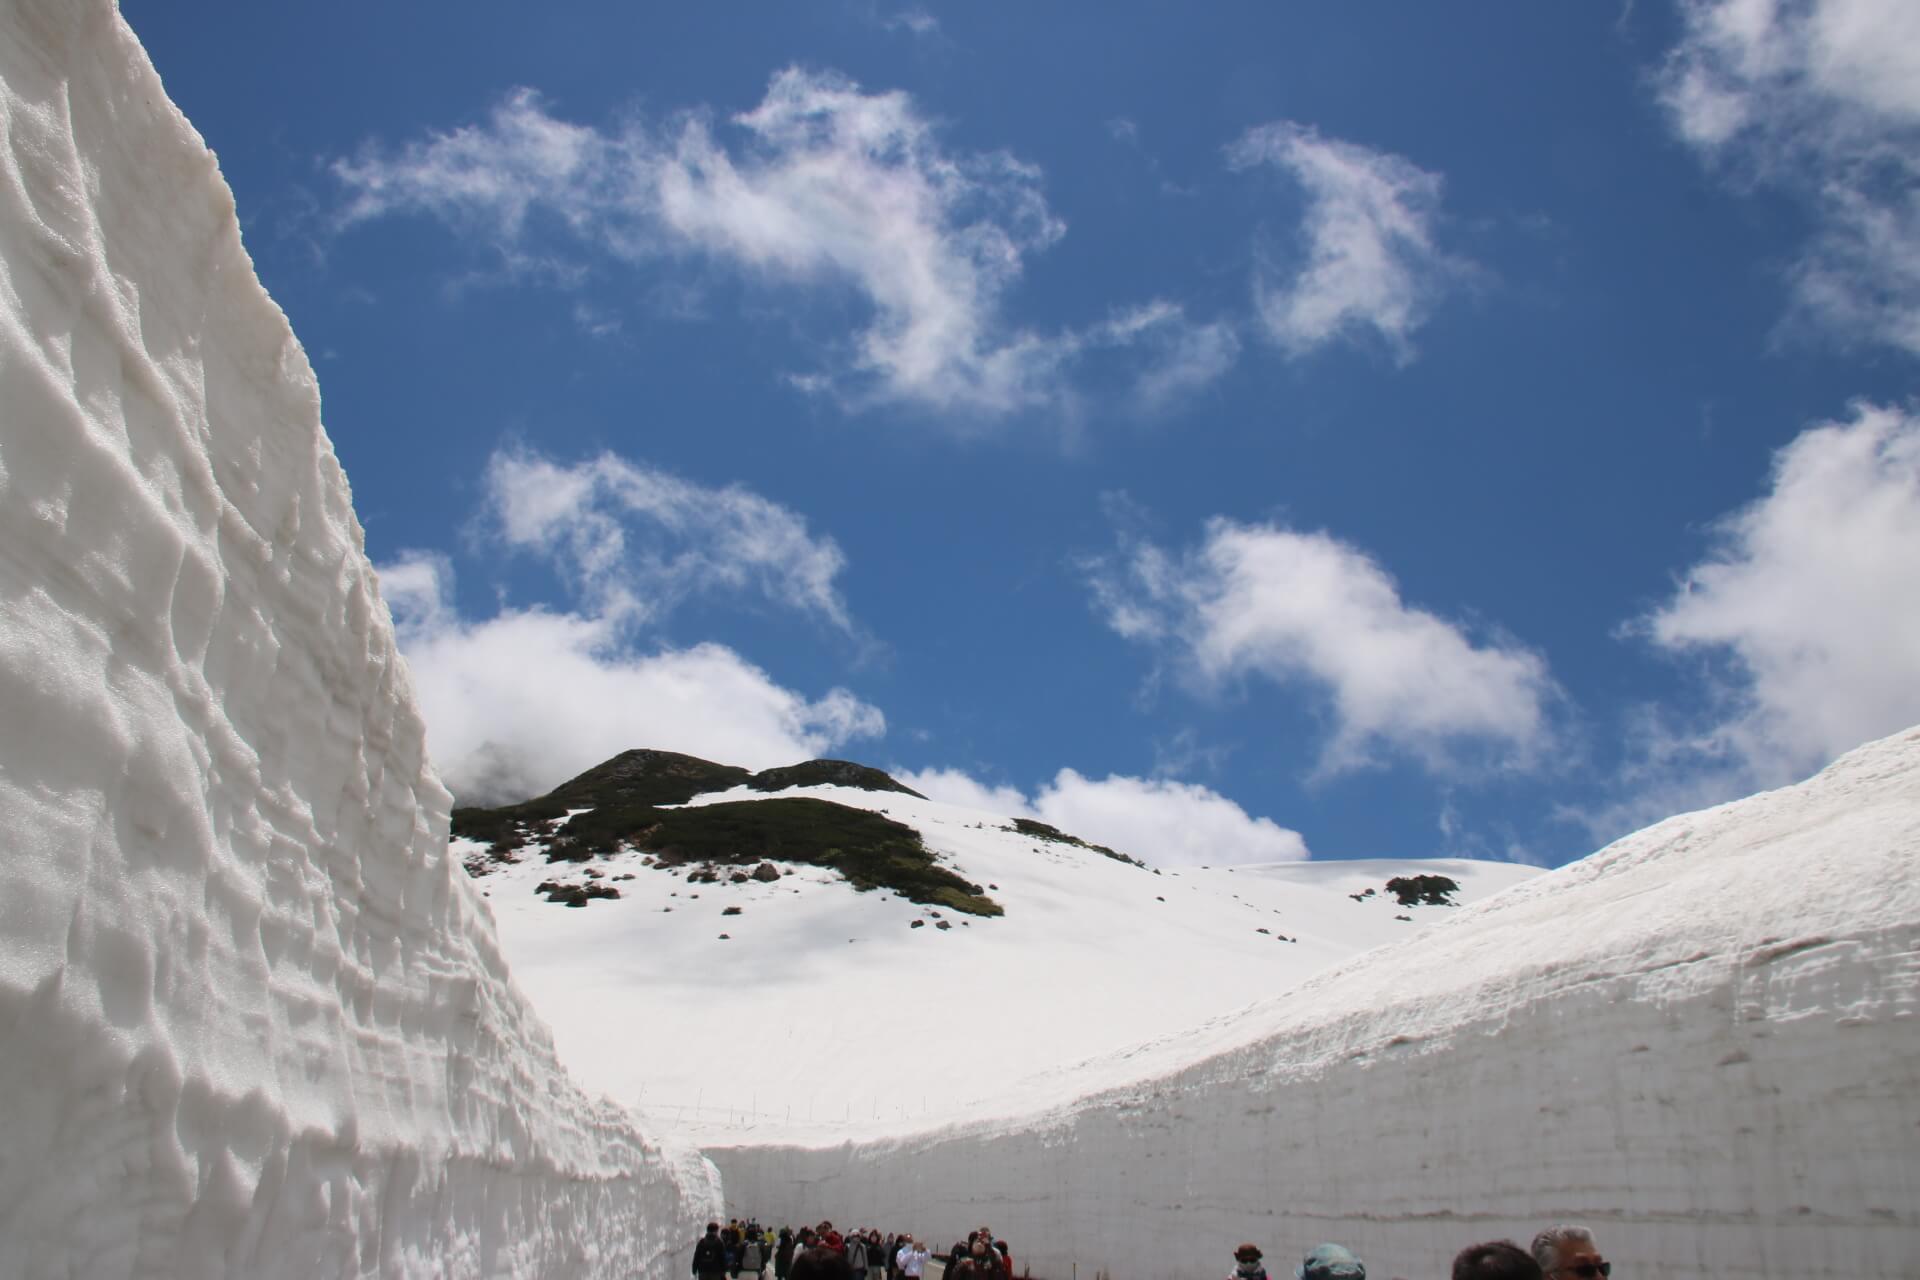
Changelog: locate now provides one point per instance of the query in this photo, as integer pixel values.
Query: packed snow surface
(1703, 1042)
(816, 1010)
(253, 1019)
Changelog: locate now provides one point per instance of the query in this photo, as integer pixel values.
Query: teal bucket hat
(1330, 1262)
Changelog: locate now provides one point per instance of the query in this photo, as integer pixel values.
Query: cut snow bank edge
(253, 1020)
(1702, 1042)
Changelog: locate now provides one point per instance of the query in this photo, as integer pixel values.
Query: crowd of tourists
(823, 1253)
(1558, 1253)
(746, 1248)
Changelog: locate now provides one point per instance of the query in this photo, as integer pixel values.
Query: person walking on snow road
(710, 1255)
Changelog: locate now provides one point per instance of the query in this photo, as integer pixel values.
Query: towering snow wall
(1703, 1042)
(252, 1019)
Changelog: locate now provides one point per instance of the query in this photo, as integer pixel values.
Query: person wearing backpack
(710, 1255)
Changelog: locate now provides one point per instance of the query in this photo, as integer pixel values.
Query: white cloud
(692, 539)
(519, 702)
(1370, 260)
(822, 185)
(953, 786)
(1812, 595)
(826, 185)
(1822, 98)
(915, 21)
(1306, 608)
(522, 700)
(1162, 822)
(1176, 357)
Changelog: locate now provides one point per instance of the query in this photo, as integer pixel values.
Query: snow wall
(253, 1020)
(1703, 1042)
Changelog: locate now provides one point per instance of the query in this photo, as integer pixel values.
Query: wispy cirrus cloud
(822, 185)
(636, 540)
(1308, 610)
(1819, 98)
(1161, 821)
(1368, 258)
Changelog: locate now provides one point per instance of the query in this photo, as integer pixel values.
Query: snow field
(1703, 1042)
(253, 1020)
(821, 1014)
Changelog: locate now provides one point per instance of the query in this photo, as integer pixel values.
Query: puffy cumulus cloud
(1822, 98)
(955, 786)
(521, 701)
(1163, 822)
(1812, 596)
(822, 184)
(1369, 261)
(636, 540)
(1306, 608)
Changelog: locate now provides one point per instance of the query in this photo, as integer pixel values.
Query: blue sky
(1229, 434)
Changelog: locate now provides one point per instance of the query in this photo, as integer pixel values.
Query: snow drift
(1702, 1042)
(253, 1019)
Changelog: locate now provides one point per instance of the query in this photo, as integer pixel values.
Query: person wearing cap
(1330, 1262)
(1569, 1253)
(1246, 1264)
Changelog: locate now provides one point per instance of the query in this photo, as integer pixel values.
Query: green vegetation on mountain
(622, 804)
(647, 777)
(829, 773)
(1054, 835)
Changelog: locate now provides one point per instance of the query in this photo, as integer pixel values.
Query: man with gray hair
(1569, 1253)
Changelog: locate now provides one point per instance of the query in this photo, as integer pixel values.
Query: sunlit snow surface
(253, 1020)
(1702, 1041)
(822, 1010)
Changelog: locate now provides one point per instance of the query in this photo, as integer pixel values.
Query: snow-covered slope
(821, 1011)
(253, 1020)
(1702, 1041)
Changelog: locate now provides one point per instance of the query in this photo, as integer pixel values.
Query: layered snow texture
(253, 1019)
(1703, 1042)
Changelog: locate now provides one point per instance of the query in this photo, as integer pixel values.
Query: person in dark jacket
(783, 1254)
(710, 1255)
